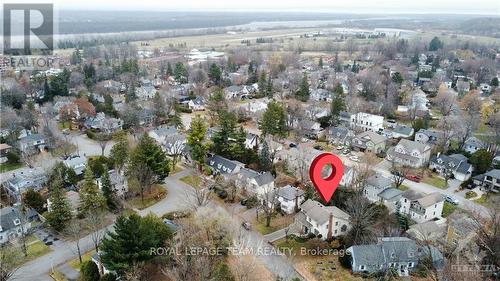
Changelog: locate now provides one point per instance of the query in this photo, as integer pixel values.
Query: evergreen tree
(269, 88)
(435, 44)
(89, 271)
(337, 105)
(175, 119)
(265, 157)
(130, 96)
(320, 64)
(107, 191)
(494, 82)
(91, 199)
(262, 84)
(119, 152)
(148, 153)
(60, 209)
(215, 74)
(131, 242)
(181, 73)
(196, 140)
(227, 122)
(274, 120)
(34, 200)
(303, 93)
(170, 72)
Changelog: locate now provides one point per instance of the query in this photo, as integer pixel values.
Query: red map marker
(326, 186)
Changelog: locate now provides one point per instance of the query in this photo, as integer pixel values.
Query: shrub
(108, 277)
(222, 273)
(252, 202)
(470, 194)
(13, 157)
(89, 271)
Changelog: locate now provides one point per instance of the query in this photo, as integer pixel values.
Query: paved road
(37, 270)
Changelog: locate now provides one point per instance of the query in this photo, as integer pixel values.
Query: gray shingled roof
(379, 181)
(495, 173)
(410, 145)
(290, 192)
(390, 193)
(431, 199)
(321, 213)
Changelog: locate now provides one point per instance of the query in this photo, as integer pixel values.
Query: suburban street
(177, 199)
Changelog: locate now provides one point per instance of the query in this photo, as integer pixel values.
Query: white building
(289, 198)
(421, 207)
(367, 122)
(322, 221)
(410, 153)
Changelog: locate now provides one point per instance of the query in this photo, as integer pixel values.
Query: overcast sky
(491, 7)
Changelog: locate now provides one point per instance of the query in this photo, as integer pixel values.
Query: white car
(354, 158)
(340, 147)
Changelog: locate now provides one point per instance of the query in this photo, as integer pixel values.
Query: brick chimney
(330, 227)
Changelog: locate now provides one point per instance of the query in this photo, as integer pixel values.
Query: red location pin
(326, 186)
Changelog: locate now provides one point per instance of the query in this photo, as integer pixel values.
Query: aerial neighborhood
(206, 145)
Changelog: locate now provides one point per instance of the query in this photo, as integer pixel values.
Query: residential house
(390, 198)
(198, 104)
(255, 182)
(320, 95)
(251, 141)
(4, 151)
(430, 137)
(428, 231)
(234, 91)
(103, 123)
(402, 131)
(409, 153)
(461, 231)
(367, 122)
(322, 221)
(32, 143)
(374, 185)
(76, 163)
(171, 140)
(489, 181)
(340, 136)
(369, 141)
(20, 182)
(421, 207)
(289, 198)
(473, 144)
(119, 183)
(12, 224)
(452, 166)
(224, 166)
(400, 253)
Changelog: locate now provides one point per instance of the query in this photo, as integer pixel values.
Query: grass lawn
(176, 169)
(57, 276)
(192, 180)
(403, 187)
(470, 194)
(156, 194)
(435, 180)
(277, 222)
(488, 200)
(448, 208)
(75, 263)
(5, 167)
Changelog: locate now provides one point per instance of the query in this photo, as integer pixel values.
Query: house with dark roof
(400, 253)
(21, 181)
(339, 135)
(409, 153)
(402, 131)
(430, 137)
(32, 143)
(289, 198)
(224, 166)
(369, 142)
(322, 221)
(255, 182)
(12, 224)
(473, 144)
(374, 185)
(489, 181)
(421, 207)
(454, 166)
(103, 123)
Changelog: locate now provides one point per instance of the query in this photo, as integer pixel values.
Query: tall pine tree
(196, 141)
(107, 191)
(91, 199)
(337, 105)
(60, 210)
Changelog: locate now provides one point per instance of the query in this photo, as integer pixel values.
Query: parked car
(414, 178)
(243, 202)
(246, 225)
(340, 147)
(318, 147)
(451, 200)
(346, 151)
(292, 145)
(354, 158)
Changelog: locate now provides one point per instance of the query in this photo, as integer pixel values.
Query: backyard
(277, 222)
